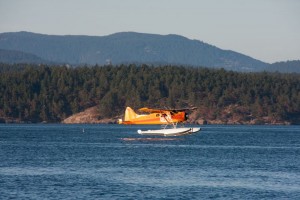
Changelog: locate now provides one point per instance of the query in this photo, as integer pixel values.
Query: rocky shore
(88, 116)
(92, 116)
(200, 116)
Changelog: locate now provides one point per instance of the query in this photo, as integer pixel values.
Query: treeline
(52, 93)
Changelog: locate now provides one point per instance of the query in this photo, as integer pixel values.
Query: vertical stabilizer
(129, 114)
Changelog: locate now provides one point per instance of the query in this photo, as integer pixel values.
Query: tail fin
(129, 114)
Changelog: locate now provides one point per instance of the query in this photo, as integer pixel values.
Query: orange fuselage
(153, 118)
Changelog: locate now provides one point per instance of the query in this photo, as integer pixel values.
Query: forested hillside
(52, 93)
(12, 56)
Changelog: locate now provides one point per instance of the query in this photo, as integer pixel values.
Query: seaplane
(164, 117)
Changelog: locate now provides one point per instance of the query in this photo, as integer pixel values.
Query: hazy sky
(268, 30)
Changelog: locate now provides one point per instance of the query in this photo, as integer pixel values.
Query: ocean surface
(56, 161)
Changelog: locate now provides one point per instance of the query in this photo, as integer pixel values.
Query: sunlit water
(100, 162)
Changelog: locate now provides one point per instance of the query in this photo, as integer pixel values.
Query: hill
(37, 93)
(13, 56)
(285, 67)
(128, 47)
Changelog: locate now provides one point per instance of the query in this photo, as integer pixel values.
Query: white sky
(268, 30)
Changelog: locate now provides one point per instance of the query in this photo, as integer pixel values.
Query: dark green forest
(37, 93)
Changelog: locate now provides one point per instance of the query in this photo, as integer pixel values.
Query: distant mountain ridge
(127, 47)
(285, 67)
(13, 56)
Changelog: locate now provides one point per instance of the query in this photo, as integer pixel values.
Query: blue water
(96, 162)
